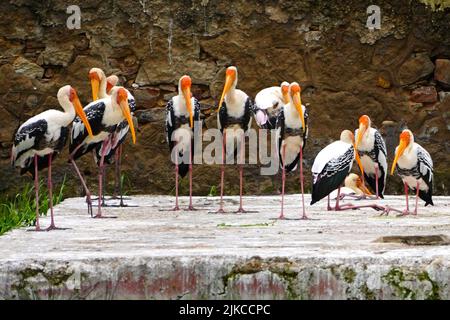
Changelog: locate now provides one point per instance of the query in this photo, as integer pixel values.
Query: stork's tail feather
(426, 196)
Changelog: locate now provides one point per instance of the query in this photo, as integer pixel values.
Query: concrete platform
(148, 252)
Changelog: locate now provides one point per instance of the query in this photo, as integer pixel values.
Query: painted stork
(234, 118)
(103, 115)
(415, 167)
(353, 187)
(268, 103)
(330, 168)
(118, 136)
(182, 111)
(292, 132)
(372, 153)
(41, 138)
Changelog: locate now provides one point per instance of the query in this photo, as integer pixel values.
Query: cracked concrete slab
(150, 252)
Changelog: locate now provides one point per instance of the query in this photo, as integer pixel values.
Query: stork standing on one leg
(233, 119)
(41, 138)
(372, 152)
(292, 131)
(268, 103)
(415, 167)
(182, 111)
(103, 115)
(331, 167)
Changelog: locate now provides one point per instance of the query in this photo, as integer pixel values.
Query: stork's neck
(292, 110)
(231, 94)
(102, 90)
(69, 111)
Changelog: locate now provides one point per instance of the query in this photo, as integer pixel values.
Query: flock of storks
(102, 126)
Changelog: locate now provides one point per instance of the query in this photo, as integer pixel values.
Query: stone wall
(399, 75)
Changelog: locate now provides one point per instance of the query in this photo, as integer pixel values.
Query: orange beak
(401, 148)
(95, 85)
(187, 97)
(297, 100)
(362, 187)
(80, 112)
(229, 80)
(122, 98)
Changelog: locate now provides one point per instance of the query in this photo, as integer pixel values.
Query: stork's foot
(281, 217)
(304, 217)
(191, 208)
(53, 227)
(100, 216)
(176, 208)
(220, 211)
(36, 229)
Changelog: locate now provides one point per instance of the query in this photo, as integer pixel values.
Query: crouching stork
(182, 111)
(41, 138)
(268, 104)
(103, 115)
(331, 167)
(415, 167)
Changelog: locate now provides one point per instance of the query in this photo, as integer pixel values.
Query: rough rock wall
(399, 75)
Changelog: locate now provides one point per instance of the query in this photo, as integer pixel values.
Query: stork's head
(354, 182)
(96, 75)
(111, 82)
(285, 91)
(119, 96)
(347, 137)
(231, 76)
(295, 98)
(364, 125)
(184, 86)
(406, 141)
(69, 94)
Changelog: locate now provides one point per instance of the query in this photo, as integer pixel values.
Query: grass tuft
(20, 210)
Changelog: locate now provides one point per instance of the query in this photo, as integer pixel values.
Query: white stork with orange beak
(372, 153)
(415, 167)
(103, 116)
(234, 117)
(292, 132)
(41, 138)
(268, 103)
(182, 111)
(119, 134)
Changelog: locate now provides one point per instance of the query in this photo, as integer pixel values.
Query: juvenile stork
(103, 115)
(415, 167)
(268, 103)
(182, 111)
(353, 187)
(331, 167)
(292, 132)
(372, 152)
(118, 136)
(41, 138)
(233, 119)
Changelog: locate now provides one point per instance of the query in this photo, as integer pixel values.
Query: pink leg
(191, 207)
(100, 178)
(350, 206)
(329, 208)
(83, 182)
(417, 197)
(222, 173)
(283, 181)
(241, 178)
(376, 182)
(176, 208)
(301, 184)
(36, 188)
(117, 173)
